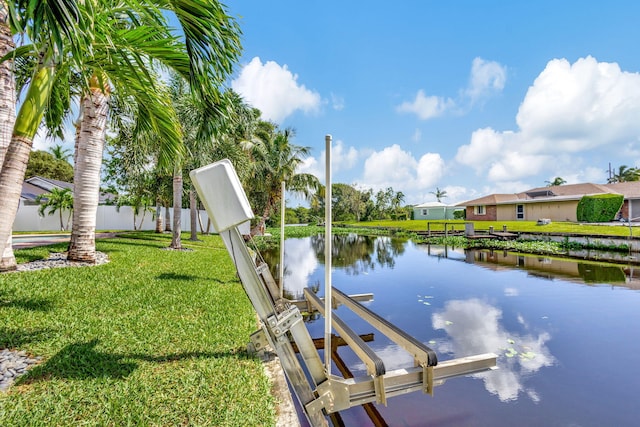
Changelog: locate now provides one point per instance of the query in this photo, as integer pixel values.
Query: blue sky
(471, 97)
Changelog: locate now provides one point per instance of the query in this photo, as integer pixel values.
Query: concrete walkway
(22, 241)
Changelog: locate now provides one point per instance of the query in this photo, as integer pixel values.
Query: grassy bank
(515, 226)
(155, 337)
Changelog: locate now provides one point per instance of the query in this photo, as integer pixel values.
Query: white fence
(107, 218)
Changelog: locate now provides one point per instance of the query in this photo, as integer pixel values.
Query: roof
(492, 199)
(630, 190)
(30, 192)
(48, 183)
(431, 205)
(36, 185)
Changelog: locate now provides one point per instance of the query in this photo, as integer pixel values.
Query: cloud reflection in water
(300, 262)
(474, 328)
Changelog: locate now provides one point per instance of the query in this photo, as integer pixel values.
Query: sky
(468, 97)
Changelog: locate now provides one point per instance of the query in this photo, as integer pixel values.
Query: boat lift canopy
(319, 391)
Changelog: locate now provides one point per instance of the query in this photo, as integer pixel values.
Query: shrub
(461, 214)
(599, 208)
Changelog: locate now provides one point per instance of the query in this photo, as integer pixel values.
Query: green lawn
(524, 226)
(155, 337)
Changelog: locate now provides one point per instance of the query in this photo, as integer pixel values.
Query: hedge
(599, 208)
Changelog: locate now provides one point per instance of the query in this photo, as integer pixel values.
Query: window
(519, 211)
(425, 212)
(479, 210)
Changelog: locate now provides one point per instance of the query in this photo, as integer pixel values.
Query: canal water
(567, 332)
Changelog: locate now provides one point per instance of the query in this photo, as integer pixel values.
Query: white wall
(107, 218)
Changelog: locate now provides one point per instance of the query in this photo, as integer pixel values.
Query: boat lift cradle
(319, 392)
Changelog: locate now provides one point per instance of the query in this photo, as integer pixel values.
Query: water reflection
(551, 268)
(352, 254)
(546, 334)
(359, 254)
(300, 262)
(473, 327)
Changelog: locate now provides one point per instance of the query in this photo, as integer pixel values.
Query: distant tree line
(349, 204)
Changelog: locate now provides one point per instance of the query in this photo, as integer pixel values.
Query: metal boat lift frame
(318, 391)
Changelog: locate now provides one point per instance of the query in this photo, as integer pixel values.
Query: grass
(522, 226)
(155, 337)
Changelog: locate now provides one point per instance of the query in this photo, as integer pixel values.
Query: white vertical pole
(283, 205)
(328, 240)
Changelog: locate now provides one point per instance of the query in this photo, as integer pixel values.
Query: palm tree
(60, 153)
(440, 194)
(556, 181)
(7, 110)
(625, 174)
(55, 32)
(58, 200)
(211, 46)
(207, 137)
(276, 160)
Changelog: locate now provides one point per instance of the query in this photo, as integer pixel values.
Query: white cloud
(486, 77)
(486, 145)
(274, 90)
(342, 158)
(394, 167)
(426, 107)
(570, 108)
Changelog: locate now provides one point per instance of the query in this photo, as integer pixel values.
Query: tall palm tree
(276, 160)
(625, 174)
(7, 109)
(440, 194)
(207, 137)
(211, 47)
(55, 34)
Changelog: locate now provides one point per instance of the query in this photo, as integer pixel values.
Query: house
(557, 203)
(434, 211)
(37, 185)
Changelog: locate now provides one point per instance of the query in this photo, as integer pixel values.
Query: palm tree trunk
(7, 83)
(193, 210)
(158, 217)
(86, 179)
(167, 218)
(17, 156)
(7, 112)
(176, 242)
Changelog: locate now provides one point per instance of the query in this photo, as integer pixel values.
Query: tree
(347, 202)
(46, 165)
(556, 181)
(55, 33)
(7, 111)
(276, 159)
(57, 200)
(440, 194)
(60, 153)
(210, 48)
(625, 174)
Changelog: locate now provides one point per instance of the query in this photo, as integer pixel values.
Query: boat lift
(319, 392)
